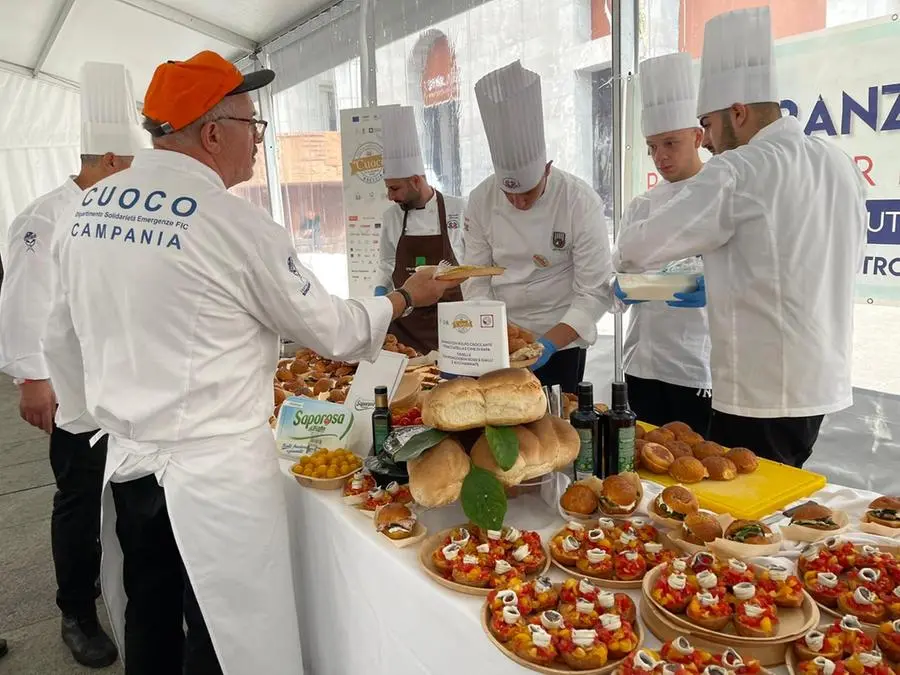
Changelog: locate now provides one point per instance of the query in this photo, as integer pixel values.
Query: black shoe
(3, 648)
(88, 643)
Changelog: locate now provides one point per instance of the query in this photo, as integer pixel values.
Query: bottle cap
(585, 394)
(619, 395)
(381, 391)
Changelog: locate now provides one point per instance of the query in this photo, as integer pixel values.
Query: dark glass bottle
(586, 421)
(381, 420)
(619, 440)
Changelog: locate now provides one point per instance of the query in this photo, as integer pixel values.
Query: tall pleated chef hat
(402, 154)
(738, 64)
(668, 94)
(509, 99)
(109, 115)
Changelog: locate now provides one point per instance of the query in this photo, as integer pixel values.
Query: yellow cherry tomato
(321, 471)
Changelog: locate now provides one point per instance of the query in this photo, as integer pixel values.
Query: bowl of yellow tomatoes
(326, 469)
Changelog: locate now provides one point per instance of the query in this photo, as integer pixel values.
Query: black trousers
(160, 598)
(75, 522)
(565, 368)
(788, 440)
(659, 402)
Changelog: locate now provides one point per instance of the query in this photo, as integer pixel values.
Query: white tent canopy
(50, 39)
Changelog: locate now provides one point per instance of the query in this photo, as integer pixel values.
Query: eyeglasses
(259, 126)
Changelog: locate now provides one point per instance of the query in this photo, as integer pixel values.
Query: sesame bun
(745, 460)
(720, 468)
(708, 449)
(688, 470)
(656, 458)
(618, 496)
(701, 528)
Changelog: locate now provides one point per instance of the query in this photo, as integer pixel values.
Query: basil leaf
(483, 499)
(504, 445)
(418, 444)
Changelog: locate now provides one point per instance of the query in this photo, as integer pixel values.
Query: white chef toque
(509, 99)
(402, 154)
(109, 116)
(738, 64)
(668, 94)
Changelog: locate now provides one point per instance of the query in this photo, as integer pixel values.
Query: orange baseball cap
(183, 91)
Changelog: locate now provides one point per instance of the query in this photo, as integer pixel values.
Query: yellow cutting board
(750, 496)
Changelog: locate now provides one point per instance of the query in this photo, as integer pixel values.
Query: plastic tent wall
(39, 143)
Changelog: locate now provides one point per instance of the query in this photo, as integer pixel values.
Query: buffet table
(366, 606)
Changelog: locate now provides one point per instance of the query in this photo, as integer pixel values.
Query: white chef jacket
(665, 343)
(26, 296)
(556, 255)
(420, 223)
(26, 301)
(178, 292)
(781, 225)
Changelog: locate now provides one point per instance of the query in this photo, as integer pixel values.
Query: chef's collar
(156, 158)
(787, 122)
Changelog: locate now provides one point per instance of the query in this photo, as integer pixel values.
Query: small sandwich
(814, 516)
(701, 528)
(618, 496)
(884, 511)
(749, 532)
(395, 521)
(675, 502)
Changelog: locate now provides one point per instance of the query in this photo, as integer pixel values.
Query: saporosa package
(305, 425)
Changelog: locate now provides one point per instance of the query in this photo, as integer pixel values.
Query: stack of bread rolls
(510, 397)
(502, 398)
(546, 445)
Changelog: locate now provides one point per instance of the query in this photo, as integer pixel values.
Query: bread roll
(528, 464)
(455, 405)
(512, 396)
(502, 398)
(558, 439)
(436, 476)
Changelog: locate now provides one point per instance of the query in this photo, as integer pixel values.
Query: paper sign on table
(386, 371)
(472, 337)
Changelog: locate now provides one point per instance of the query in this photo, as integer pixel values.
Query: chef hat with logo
(668, 94)
(402, 154)
(510, 103)
(738, 64)
(109, 116)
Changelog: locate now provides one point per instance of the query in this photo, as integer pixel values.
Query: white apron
(226, 504)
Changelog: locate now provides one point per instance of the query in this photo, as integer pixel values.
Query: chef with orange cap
(172, 295)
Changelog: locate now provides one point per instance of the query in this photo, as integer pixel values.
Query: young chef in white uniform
(177, 291)
(545, 226)
(110, 136)
(423, 227)
(667, 344)
(780, 221)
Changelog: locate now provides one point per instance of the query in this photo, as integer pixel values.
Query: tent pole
(624, 64)
(367, 76)
(270, 144)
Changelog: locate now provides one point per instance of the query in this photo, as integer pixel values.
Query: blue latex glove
(549, 350)
(380, 290)
(620, 294)
(692, 300)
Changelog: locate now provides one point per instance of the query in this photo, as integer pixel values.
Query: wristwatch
(407, 298)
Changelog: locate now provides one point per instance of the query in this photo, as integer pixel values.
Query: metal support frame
(368, 78)
(625, 45)
(270, 145)
(51, 38)
(191, 22)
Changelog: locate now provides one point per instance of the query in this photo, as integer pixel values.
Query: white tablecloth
(366, 607)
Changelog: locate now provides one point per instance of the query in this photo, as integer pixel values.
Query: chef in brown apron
(422, 227)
